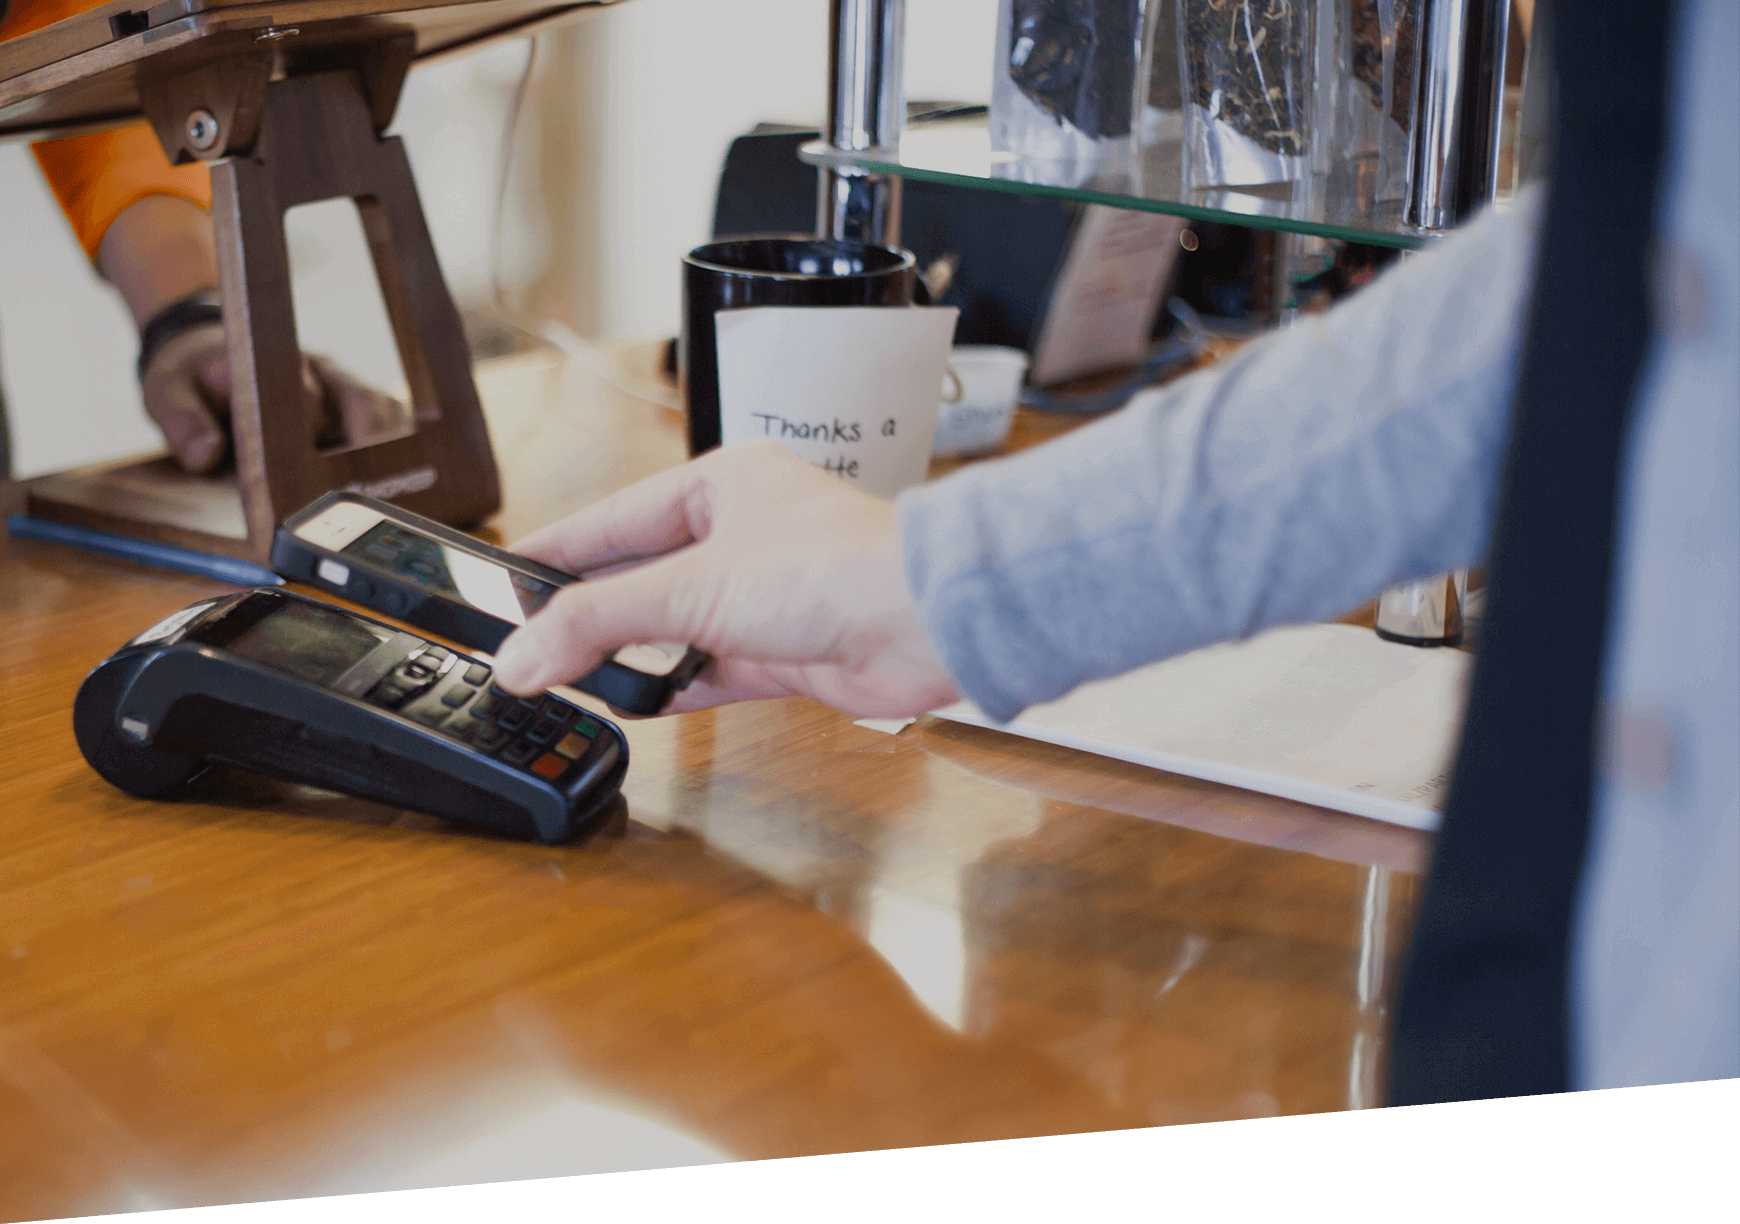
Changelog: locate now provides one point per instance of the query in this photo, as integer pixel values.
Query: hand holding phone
(792, 580)
(441, 580)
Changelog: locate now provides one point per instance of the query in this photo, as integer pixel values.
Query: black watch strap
(183, 314)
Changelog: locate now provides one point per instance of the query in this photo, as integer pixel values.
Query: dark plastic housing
(155, 714)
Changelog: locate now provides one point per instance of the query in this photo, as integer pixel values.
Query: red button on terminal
(549, 766)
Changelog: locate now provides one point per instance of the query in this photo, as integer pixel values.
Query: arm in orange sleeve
(97, 177)
(157, 251)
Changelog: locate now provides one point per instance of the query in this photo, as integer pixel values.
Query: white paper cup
(990, 379)
(852, 389)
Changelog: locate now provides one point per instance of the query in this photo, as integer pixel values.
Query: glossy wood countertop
(795, 935)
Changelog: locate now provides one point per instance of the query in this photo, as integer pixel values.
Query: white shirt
(1656, 958)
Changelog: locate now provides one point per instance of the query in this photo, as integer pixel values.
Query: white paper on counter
(888, 726)
(1331, 715)
(852, 389)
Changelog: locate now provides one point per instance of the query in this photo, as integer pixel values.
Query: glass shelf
(958, 151)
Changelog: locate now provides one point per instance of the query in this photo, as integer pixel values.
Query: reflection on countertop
(796, 935)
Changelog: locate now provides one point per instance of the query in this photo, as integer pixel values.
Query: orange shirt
(97, 177)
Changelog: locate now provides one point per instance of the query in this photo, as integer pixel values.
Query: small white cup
(978, 420)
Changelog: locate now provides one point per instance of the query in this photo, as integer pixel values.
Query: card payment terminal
(307, 692)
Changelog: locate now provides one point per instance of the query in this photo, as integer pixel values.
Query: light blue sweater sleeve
(1355, 449)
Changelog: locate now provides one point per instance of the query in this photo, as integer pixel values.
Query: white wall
(66, 342)
(662, 87)
(685, 77)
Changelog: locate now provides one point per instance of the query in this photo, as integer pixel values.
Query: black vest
(1483, 1004)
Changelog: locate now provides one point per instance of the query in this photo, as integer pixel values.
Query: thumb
(324, 425)
(586, 622)
(173, 398)
(187, 422)
(364, 414)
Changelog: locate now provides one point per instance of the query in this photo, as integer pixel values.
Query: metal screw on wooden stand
(202, 129)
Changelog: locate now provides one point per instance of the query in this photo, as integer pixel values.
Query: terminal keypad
(544, 735)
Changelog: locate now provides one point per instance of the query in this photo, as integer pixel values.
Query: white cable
(553, 331)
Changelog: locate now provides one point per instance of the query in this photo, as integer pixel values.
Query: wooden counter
(797, 935)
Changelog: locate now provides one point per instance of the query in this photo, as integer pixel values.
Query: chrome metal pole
(1365, 1061)
(1534, 125)
(1452, 171)
(866, 110)
(1427, 611)
(1453, 168)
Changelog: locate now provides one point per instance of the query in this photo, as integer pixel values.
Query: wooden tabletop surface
(796, 935)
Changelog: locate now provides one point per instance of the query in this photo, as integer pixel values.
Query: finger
(214, 372)
(723, 682)
(661, 513)
(176, 398)
(729, 680)
(365, 414)
(324, 424)
(188, 425)
(859, 693)
(617, 567)
(583, 624)
(648, 519)
(369, 415)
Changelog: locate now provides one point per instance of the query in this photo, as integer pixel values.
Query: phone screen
(460, 575)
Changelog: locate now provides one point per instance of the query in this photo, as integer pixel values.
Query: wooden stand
(280, 132)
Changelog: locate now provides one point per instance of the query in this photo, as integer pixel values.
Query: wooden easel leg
(317, 142)
(317, 138)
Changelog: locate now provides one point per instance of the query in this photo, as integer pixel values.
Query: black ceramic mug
(775, 270)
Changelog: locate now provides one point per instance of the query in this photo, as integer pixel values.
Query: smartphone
(444, 581)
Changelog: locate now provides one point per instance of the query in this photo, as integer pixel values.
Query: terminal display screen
(307, 641)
